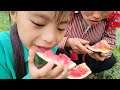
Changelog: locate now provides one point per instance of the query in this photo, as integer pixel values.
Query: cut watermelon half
(42, 58)
(79, 72)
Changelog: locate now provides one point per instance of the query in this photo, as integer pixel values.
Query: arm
(62, 44)
(4, 70)
(4, 74)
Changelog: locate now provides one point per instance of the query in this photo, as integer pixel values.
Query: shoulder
(5, 42)
(77, 18)
(6, 59)
(5, 34)
(5, 37)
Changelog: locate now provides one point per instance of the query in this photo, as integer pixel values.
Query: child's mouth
(42, 49)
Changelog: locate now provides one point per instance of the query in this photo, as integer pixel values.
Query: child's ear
(13, 15)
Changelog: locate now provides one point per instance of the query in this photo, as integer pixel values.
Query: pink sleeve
(62, 43)
(67, 35)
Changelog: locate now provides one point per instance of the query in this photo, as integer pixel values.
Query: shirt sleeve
(67, 35)
(4, 71)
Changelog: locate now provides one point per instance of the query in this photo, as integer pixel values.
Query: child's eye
(61, 29)
(40, 25)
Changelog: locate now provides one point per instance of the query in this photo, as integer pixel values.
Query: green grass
(4, 21)
(113, 73)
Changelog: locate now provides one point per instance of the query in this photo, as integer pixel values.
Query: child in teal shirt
(32, 30)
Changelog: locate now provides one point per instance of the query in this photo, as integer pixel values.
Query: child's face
(93, 17)
(39, 29)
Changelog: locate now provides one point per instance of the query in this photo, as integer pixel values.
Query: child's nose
(50, 36)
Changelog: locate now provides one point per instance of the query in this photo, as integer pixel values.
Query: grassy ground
(113, 73)
(4, 21)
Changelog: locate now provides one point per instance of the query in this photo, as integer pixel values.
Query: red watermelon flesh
(79, 72)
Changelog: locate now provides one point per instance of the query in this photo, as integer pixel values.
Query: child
(31, 31)
(91, 27)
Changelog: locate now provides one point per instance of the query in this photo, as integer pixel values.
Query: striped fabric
(78, 28)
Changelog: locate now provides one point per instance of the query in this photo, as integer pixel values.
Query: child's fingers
(64, 74)
(31, 58)
(32, 68)
(56, 71)
(44, 71)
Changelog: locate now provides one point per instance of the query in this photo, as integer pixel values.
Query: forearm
(63, 43)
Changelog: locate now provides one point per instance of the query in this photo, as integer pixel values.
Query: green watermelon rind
(83, 76)
(41, 60)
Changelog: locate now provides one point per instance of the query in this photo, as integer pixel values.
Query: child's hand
(47, 71)
(78, 45)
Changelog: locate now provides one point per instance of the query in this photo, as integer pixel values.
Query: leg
(98, 66)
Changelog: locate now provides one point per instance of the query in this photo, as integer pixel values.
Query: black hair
(18, 52)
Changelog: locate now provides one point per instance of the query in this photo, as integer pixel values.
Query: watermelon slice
(41, 58)
(79, 72)
(97, 48)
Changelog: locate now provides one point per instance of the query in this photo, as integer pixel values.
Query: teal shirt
(6, 57)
